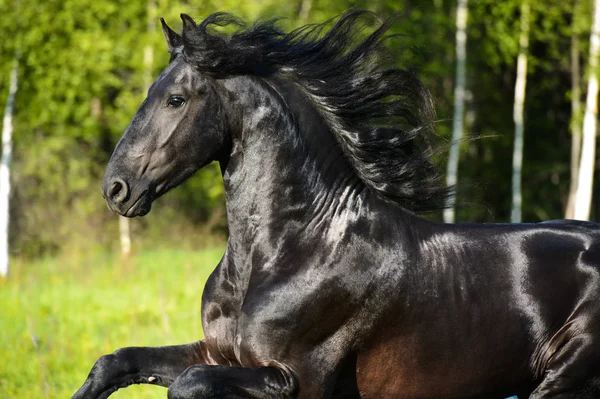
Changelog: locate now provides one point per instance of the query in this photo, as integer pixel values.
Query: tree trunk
(459, 100)
(7, 130)
(520, 84)
(124, 236)
(304, 10)
(575, 124)
(124, 228)
(583, 198)
(149, 50)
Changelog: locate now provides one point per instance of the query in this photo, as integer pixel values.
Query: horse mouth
(140, 207)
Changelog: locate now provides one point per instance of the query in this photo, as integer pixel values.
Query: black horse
(331, 285)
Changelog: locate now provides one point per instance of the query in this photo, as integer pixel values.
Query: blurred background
(82, 283)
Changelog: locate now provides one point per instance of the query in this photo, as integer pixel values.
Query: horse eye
(175, 102)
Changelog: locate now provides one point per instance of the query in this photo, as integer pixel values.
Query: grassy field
(57, 317)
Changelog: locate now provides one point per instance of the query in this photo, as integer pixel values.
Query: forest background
(84, 67)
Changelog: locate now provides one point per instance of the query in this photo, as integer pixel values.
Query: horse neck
(286, 172)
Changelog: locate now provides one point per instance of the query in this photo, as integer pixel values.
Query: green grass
(57, 318)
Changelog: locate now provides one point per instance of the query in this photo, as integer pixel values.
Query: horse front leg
(224, 382)
(140, 365)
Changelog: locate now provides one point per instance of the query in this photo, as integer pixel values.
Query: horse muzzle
(124, 199)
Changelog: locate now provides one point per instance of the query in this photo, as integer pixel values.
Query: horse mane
(381, 115)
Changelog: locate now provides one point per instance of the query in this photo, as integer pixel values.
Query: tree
(7, 130)
(575, 116)
(459, 100)
(518, 113)
(151, 21)
(588, 149)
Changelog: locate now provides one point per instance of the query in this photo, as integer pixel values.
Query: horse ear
(188, 24)
(172, 38)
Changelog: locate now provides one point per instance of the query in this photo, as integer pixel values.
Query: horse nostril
(118, 191)
(114, 190)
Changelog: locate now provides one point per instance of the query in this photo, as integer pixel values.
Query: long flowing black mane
(381, 115)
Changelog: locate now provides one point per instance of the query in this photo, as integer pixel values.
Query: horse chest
(240, 338)
(252, 327)
(236, 331)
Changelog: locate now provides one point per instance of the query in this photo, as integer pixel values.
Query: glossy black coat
(329, 290)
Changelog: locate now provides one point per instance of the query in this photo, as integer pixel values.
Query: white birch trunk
(459, 101)
(149, 49)
(305, 7)
(124, 228)
(583, 199)
(7, 130)
(575, 125)
(518, 118)
(124, 236)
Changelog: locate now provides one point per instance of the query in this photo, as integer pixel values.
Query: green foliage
(83, 75)
(60, 315)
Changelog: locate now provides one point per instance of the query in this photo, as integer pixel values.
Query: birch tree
(304, 10)
(459, 100)
(151, 8)
(583, 198)
(575, 119)
(7, 129)
(518, 118)
(124, 236)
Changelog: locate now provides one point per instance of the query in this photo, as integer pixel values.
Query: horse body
(328, 290)
(467, 311)
(488, 308)
(428, 286)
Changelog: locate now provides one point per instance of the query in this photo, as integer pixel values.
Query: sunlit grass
(57, 317)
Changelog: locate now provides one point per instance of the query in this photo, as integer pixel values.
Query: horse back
(481, 297)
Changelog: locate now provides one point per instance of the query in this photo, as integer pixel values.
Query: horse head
(177, 130)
